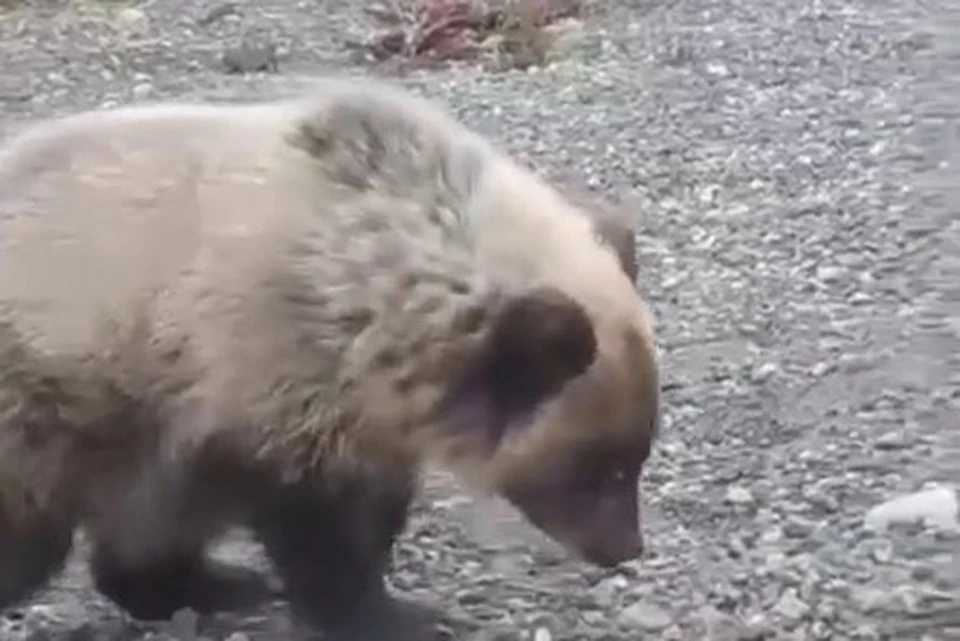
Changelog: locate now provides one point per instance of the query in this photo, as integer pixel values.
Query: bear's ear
(613, 223)
(616, 231)
(536, 343)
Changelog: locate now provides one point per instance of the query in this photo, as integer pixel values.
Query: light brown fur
(226, 298)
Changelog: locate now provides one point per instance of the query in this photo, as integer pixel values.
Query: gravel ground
(791, 160)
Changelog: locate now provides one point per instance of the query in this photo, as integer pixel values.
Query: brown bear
(275, 316)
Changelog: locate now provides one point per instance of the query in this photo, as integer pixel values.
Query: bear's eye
(621, 475)
(612, 475)
(598, 469)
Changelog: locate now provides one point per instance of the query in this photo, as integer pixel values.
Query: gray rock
(720, 626)
(184, 624)
(790, 607)
(605, 592)
(251, 56)
(873, 599)
(646, 616)
(798, 527)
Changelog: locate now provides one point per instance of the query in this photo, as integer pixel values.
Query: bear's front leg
(156, 588)
(150, 537)
(330, 541)
(33, 548)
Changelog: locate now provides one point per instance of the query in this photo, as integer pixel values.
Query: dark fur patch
(537, 343)
(330, 539)
(31, 554)
(158, 589)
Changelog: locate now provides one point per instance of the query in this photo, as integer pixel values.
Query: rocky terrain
(794, 163)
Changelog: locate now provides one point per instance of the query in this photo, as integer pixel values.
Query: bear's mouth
(596, 518)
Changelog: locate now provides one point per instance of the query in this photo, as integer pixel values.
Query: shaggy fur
(275, 315)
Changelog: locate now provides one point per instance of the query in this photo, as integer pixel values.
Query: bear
(275, 315)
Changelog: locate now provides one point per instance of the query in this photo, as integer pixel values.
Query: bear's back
(100, 212)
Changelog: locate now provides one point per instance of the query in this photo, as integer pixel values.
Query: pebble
(818, 497)
(882, 552)
(184, 624)
(892, 441)
(605, 592)
(866, 632)
(797, 527)
(720, 625)
(790, 607)
(830, 273)
(860, 298)
(756, 628)
(772, 535)
(871, 599)
(717, 69)
(923, 572)
(542, 634)
(936, 507)
(764, 372)
(142, 91)
(739, 496)
(250, 57)
(646, 616)
(131, 18)
(217, 13)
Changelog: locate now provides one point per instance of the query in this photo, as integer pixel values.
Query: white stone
(739, 496)
(542, 634)
(142, 91)
(718, 69)
(936, 507)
